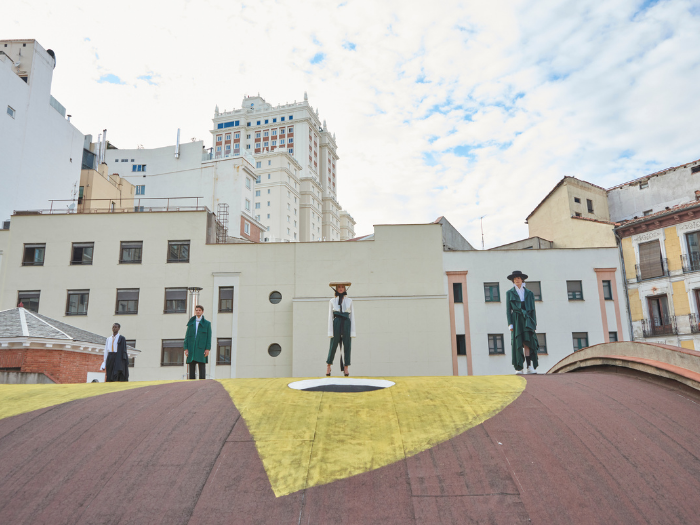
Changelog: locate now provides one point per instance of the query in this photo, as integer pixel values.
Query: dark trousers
(118, 375)
(341, 335)
(202, 369)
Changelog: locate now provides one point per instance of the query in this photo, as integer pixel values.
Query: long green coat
(524, 326)
(196, 347)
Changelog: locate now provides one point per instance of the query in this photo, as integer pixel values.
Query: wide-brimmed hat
(517, 273)
(335, 284)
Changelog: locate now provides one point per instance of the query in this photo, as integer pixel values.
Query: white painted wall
(40, 150)
(401, 307)
(556, 315)
(676, 186)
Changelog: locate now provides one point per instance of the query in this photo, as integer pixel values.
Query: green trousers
(341, 335)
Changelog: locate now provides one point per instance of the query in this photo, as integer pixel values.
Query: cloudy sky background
(444, 108)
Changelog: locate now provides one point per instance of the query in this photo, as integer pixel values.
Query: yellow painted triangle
(311, 438)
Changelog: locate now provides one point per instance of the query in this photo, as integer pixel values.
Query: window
(290, 118)
(541, 343)
(647, 212)
(140, 167)
(172, 352)
(644, 185)
(218, 148)
(274, 143)
(282, 131)
(257, 194)
(11, 111)
(574, 290)
(237, 136)
(589, 205)
(268, 203)
(275, 297)
(577, 200)
(266, 133)
(236, 146)
(130, 252)
(228, 147)
(77, 302)
(274, 350)
(257, 205)
(246, 228)
(82, 253)
(127, 301)
(282, 119)
(266, 121)
(269, 163)
(228, 136)
(496, 344)
(461, 343)
(612, 337)
(175, 301)
(695, 169)
(141, 190)
(650, 262)
(290, 129)
(536, 288)
(281, 142)
(218, 139)
(577, 214)
(580, 340)
(290, 140)
(258, 123)
(247, 205)
(29, 300)
(223, 351)
(266, 144)
(258, 164)
(607, 291)
(178, 251)
(131, 343)
(81, 193)
(290, 151)
(274, 131)
(492, 293)
(225, 298)
(33, 254)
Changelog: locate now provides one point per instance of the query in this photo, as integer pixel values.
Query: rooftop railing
(136, 205)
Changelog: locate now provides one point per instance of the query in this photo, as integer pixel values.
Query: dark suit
(117, 366)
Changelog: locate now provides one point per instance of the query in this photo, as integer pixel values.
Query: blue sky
(477, 113)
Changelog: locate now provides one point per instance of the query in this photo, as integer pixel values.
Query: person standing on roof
(198, 343)
(341, 325)
(522, 321)
(116, 361)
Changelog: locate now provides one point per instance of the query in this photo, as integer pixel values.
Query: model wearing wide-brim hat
(517, 273)
(522, 322)
(341, 325)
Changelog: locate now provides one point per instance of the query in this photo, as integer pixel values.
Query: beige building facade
(99, 191)
(573, 215)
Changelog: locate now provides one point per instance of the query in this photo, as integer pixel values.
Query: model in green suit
(522, 321)
(198, 342)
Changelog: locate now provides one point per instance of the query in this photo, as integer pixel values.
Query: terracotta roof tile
(655, 174)
(670, 211)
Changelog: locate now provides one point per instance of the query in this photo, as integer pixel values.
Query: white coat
(347, 307)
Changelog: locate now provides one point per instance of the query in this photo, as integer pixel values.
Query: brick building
(34, 347)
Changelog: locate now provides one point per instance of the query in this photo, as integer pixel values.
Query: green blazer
(524, 325)
(196, 346)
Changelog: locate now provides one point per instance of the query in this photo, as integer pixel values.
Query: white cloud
(605, 91)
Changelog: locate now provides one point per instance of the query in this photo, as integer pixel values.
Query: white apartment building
(264, 129)
(41, 152)
(184, 177)
(425, 302)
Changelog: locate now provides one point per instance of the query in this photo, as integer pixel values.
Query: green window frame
(492, 293)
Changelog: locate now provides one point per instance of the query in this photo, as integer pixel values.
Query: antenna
(482, 231)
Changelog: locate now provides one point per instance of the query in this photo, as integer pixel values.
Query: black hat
(517, 273)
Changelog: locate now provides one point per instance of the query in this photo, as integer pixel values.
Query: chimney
(104, 145)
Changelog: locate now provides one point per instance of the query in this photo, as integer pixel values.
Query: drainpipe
(624, 284)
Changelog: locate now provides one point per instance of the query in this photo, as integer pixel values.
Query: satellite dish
(17, 64)
(72, 206)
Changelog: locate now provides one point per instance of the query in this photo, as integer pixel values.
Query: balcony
(652, 271)
(691, 263)
(657, 326)
(694, 324)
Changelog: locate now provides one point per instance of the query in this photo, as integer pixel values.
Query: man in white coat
(341, 325)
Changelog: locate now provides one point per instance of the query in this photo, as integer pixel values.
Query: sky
(455, 109)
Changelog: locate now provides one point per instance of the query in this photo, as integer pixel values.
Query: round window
(275, 297)
(274, 349)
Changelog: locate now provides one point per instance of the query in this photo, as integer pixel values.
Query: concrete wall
(23, 378)
(401, 305)
(557, 317)
(40, 151)
(100, 190)
(666, 189)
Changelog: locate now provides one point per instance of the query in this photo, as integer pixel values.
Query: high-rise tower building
(296, 161)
